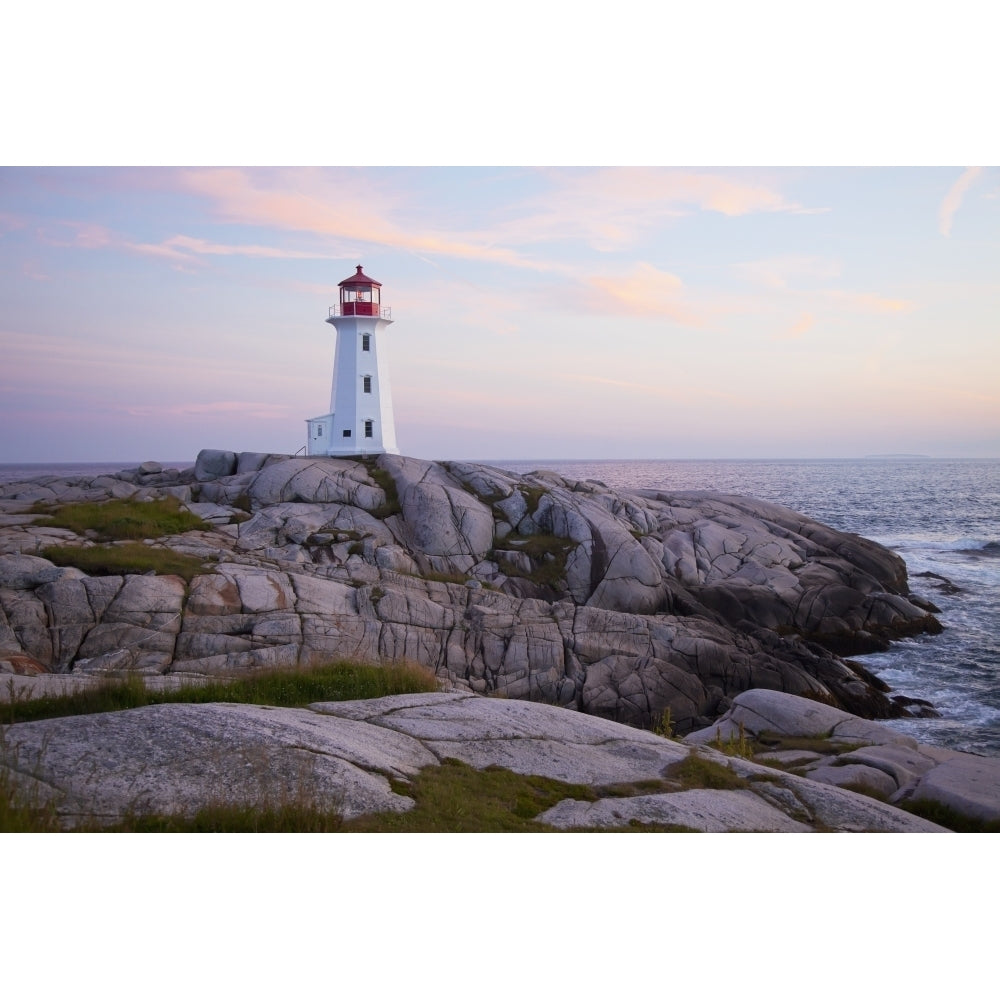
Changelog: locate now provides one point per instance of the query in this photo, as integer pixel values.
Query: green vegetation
(548, 554)
(388, 486)
(456, 798)
(450, 798)
(129, 557)
(22, 807)
(342, 681)
(119, 520)
(947, 817)
(741, 746)
(444, 577)
(247, 817)
(532, 496)
(824, 744)
(665, 725)
(696, 771)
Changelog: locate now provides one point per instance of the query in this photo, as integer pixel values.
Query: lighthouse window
(368, 383)
(369, 432)
(319, 432)
(366, 342)
(347, 434)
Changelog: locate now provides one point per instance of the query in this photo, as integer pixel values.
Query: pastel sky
(146, 313)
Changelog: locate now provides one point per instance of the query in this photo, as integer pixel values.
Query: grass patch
(695, 771)
(444, 577)
(22, 808)
(736, 746)
(342, 681)
(121, 520)
(548, 554)
(456, 798)
(130, 557)
(824, 745)
(664, 726)
(947, 817)
(387, 484)
(223, 817)
(532, 497)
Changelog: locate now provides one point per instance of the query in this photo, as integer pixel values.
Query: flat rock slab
(700, 810)
(966, 783)
(177, 758)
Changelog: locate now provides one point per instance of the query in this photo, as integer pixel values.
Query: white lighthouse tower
(360, 420)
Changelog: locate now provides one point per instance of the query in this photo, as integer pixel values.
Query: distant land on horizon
(64, 465)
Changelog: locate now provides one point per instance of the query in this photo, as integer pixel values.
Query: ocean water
(14, 473)
(942, 516)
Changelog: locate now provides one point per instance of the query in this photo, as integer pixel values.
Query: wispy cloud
(953, 199)
(199, 246)
(610, 208)
(346, 206)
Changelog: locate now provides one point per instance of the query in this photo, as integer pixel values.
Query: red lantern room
(359, 295)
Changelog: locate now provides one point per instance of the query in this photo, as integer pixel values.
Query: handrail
(385, 312)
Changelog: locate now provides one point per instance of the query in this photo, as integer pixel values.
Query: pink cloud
(647, 291)
(346, 206)
(198, 246)
(953, 199)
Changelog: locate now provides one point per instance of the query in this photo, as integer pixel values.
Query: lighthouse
(360, 420)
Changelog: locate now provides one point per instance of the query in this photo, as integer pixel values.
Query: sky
(152, 304)
(539, 312)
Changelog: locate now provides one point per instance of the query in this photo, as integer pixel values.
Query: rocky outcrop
(621, 604)
(358, 757)
(855, 753)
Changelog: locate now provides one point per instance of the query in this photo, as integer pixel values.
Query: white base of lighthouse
(360, 421)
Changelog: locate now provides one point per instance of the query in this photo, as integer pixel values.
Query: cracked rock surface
(618, 603)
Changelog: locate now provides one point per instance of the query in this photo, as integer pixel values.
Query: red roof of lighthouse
(360, 278)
